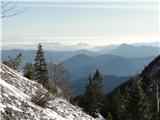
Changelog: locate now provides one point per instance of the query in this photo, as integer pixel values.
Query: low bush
(41, 97)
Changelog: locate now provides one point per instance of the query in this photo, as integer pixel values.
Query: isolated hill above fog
(135, 51)
(153, 44)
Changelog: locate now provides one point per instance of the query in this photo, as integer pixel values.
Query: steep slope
(154, 64)
(15, 104)
(135, 51)
(113, 97)
(81, 65)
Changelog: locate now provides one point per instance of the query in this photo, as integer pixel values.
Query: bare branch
(3, 4)
(60, 77)
(14, 14)
(5, 10)
(8, 9)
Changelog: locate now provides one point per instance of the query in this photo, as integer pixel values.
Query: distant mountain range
(152, 44)
(51, 46)
(82, 65)
(29, 55)
(59, 53)
(112, 61)
(109, 83)
(57, 46)
(123, 60)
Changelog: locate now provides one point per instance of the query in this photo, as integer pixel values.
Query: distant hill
(81, 65)
(154, 64)
(153, 44)
(109, 83)
(83, 62)
(135, 51)
(51, 46)
(104, 49)
(29, 55)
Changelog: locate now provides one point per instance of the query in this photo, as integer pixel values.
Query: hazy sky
(81, 21)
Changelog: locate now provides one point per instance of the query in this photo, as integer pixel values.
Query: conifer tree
(29, 71)
(85, 102)
(123, 105)
(98, 91)
(136, 105)
(138, 102)
(41, 72)
(94, 96)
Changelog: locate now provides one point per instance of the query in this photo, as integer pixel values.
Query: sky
(95, 22)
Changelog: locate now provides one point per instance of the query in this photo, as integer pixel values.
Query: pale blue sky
(95, 23)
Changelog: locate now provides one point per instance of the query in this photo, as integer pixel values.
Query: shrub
(41, 97)
(51, 87)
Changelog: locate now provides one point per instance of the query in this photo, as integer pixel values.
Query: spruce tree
(98, 91)
(138, 102)
(92, 101)
(85, 102)
(29, 71)
(41, 72)
(135, 106)
(123, 113)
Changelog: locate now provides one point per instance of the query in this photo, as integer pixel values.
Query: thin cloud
(139, 6)
(86, 0)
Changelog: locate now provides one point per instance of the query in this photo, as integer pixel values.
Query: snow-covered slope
(15, 101)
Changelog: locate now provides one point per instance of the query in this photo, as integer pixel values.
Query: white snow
(2, 107)
(16, 92)
(14, 108)
(13, 90)
(52, 115)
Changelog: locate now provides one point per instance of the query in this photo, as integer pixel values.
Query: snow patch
(13, 90)
(14, 108)
(16, 92)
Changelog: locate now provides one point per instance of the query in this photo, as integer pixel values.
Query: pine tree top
(97, 75)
